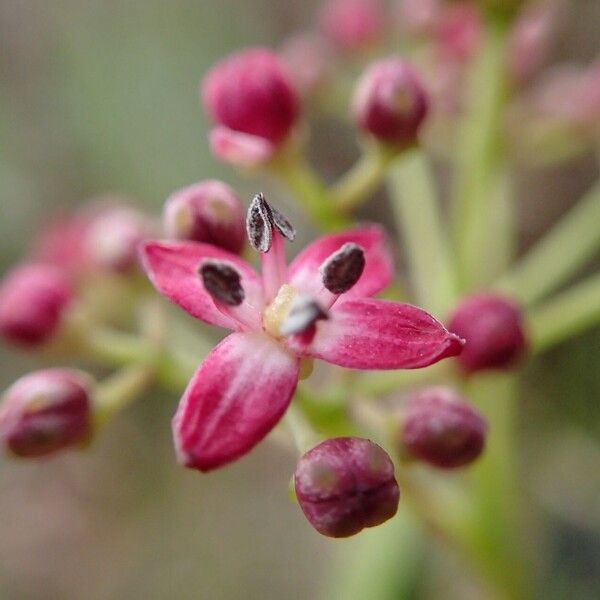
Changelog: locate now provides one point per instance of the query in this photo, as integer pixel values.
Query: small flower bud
(251, 92)
(208, 211)
(343, 268)
(442, 429)
(459, 33)
(33, 299)
(346, 484)
(223, 282)
(493, 329)
(113, 237)
(352, 25)
(390, 102)
(45, 412)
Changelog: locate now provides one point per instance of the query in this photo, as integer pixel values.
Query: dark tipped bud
(346, 484)
(390, 102)
(441, 429)
(223, 282)
(45, 412)
(343, 268)
(303, 315)
(262, 218)
(210, 212)
(494, 332)
(33, 300)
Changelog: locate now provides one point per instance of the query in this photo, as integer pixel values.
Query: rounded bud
(390, 102)
(209, 212)
(346, 484)
(33, 299)
(352, 25)
(113, 237)
(441, 429)
(459, 33)
(493, 329)
(46, 411)
(251, 92)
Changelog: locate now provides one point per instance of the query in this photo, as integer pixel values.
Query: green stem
(305, 437)
(118, 391)
(565, 315)
(558, 255)
(361, 180)
(478, 151)
(418, 219)
(309, 191)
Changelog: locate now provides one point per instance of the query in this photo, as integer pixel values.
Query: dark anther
(305, 312)
(261, 220)
(222, 282)
(343, 268)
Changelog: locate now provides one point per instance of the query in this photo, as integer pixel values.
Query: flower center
(277, 311)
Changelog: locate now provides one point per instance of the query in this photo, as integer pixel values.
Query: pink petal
(377, 334)
(240, 149)
(236, 397)
(173, 269)
(379, 267)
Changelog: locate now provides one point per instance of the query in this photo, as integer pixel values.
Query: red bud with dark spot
(346, 484)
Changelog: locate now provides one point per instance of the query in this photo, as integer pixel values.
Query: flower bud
(33, 299)
(251, 92)
(390, 102)
(352, 25)
(346, 484)
(440, 428)
(493, 329)
(113, 237)
(46, 411)
(208, 211)
(459, 32)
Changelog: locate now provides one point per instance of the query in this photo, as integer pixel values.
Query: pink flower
(317, 307)
(252, 99)
(352, 25)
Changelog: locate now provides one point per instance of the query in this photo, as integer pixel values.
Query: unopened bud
(346, 484)
(45, 412)
(33, 300)
(343, 268)
(353, 25)
(493, 329)
(209, 212)
(114, 236)
(223, 282)
(251, 92)
(442, 429)
(390, 102)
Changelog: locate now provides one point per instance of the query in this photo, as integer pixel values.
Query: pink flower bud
(390, 102)
(33, 299)
(346, 484)
(459, 32)
(352, 25)
(440, 428)
(251, 92)
(493, 329)
(46, 411)
(113, 236)
(208, 211)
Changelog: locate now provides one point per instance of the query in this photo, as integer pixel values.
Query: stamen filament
(274, 267)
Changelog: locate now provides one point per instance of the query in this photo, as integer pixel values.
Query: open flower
(317, 307)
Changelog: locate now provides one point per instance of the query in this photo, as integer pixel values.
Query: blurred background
(101, 95)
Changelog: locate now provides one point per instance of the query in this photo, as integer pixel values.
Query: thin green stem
(559, 254)
(478, 153)
(304, 436)
(361, 180)
(119, 390)
(420, 223)
(309, 191)
(565, 315)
